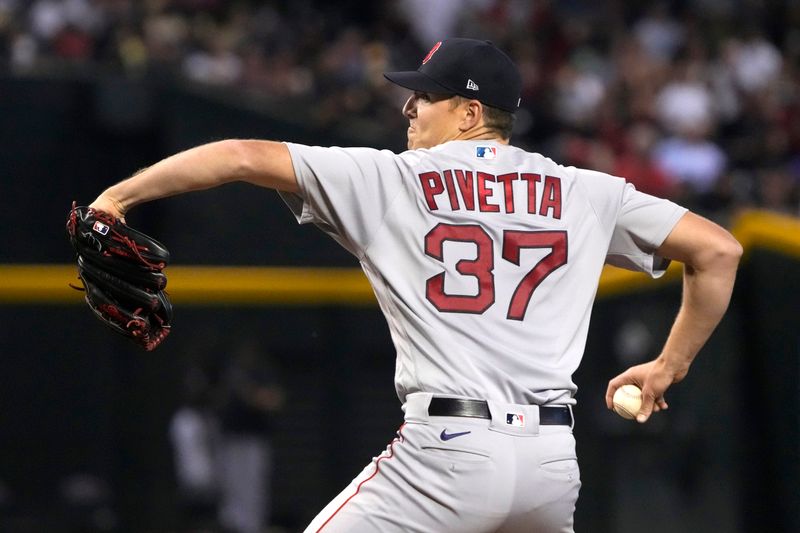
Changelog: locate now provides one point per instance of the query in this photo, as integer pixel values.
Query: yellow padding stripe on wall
(754, 229)
(223, 285)
(770, 231)
(202, 285)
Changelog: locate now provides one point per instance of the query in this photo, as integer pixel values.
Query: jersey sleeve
(642, 224)
(344, 191)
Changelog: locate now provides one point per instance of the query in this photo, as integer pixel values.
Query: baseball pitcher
(485, 260)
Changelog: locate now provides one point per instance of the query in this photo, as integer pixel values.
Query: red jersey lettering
(431, 186)
(508, 189)
(484, 193)
(465, 185)
(551, 197)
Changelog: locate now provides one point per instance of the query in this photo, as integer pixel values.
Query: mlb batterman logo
(100, 228)
(515, 419)
(486, 152)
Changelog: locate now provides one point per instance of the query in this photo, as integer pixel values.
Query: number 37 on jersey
(482, 266)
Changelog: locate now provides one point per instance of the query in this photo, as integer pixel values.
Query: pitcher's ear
(473, 115)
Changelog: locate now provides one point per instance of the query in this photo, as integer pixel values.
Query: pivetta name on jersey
(471, 190)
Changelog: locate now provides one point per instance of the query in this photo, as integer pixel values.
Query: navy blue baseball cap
(468, 67)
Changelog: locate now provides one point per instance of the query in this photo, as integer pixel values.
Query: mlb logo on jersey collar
(485, 152)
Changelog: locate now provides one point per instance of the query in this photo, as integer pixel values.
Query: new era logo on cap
(471, 85)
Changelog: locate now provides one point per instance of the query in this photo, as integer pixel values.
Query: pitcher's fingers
(612, 388)
(648, 403)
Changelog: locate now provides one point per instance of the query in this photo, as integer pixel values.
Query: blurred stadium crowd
(692, 100)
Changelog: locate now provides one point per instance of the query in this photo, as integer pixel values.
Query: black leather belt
(548, 415)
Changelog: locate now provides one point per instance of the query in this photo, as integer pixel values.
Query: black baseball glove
(122, 273)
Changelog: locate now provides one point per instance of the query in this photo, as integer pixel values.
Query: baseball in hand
(627, 401)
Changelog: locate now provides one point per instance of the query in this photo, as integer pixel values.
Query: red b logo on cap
(433, 51)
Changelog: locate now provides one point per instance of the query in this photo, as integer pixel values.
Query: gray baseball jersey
(484, 258)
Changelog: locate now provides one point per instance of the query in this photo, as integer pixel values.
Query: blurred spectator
(86, 504)
(659, 33)
(194, 434)
(73, 44)
(250, 396)
(755, 61)
(636, 165)
(214, 63)
(692, 161)
(47, 18)
(23, 51)
(130, 51)
(165, 35)
(580, 93)
(684, 104)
